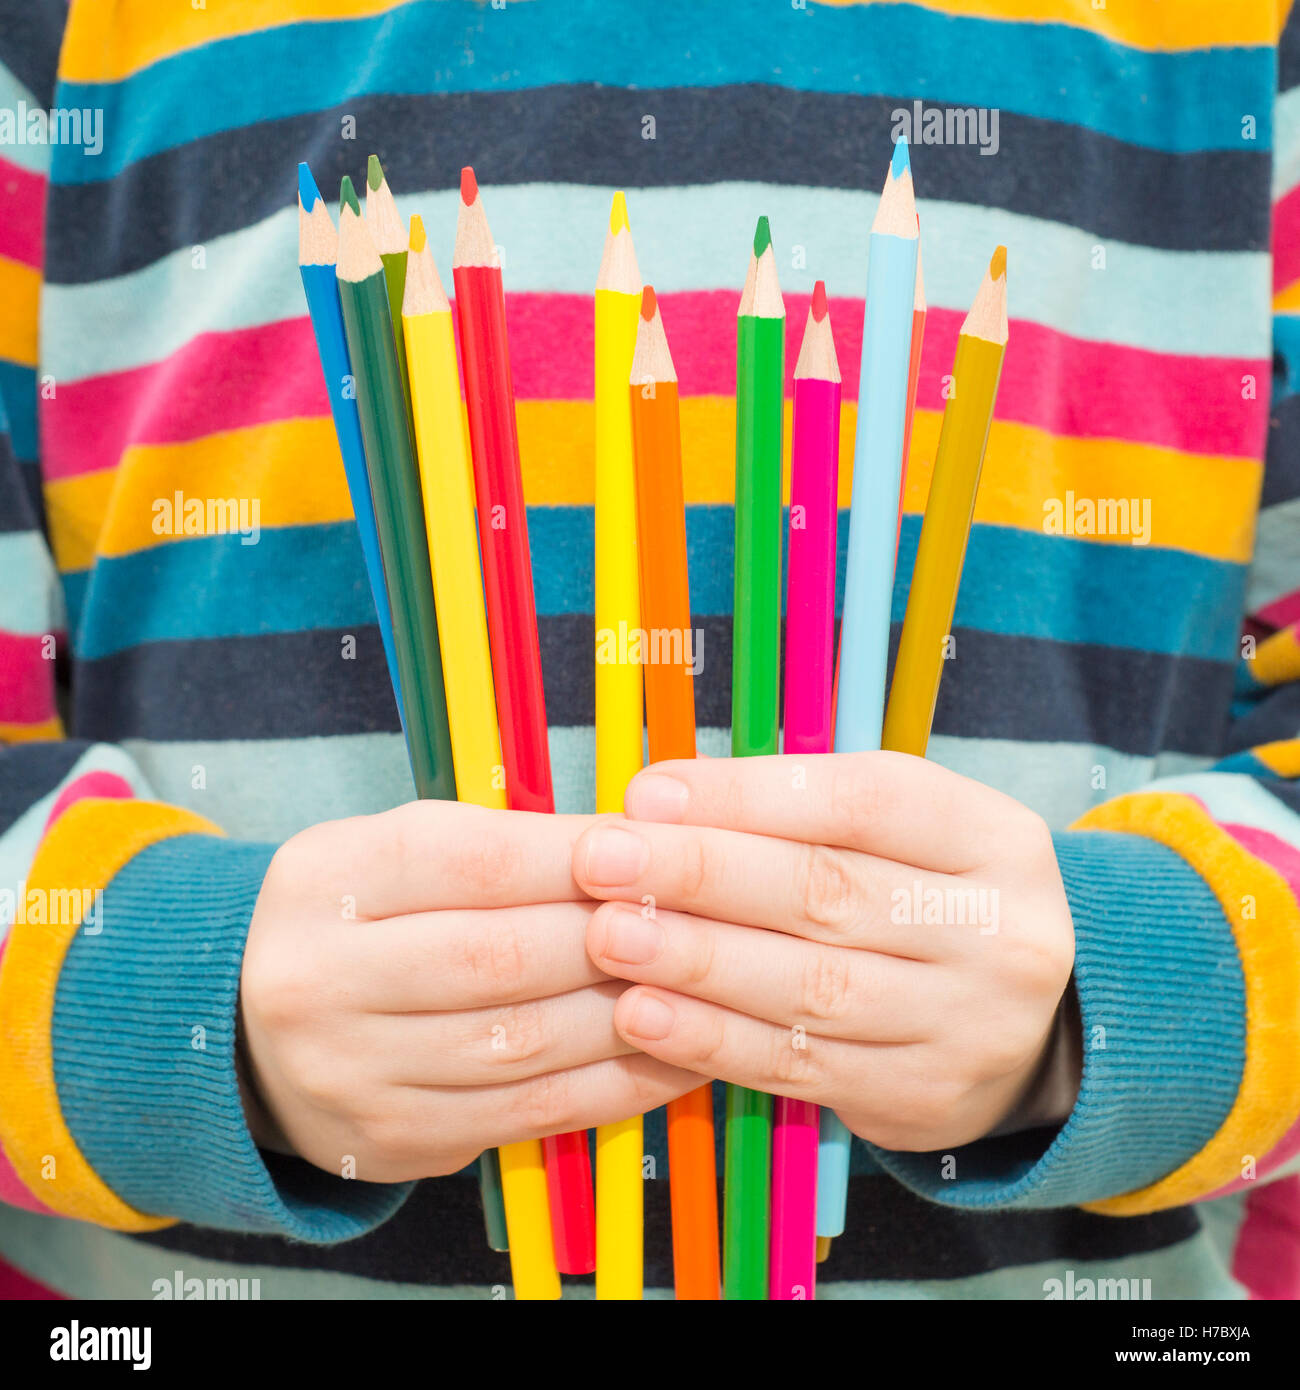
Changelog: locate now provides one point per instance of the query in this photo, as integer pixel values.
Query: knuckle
(826, 987)
(697, 866)
(855, 798)
(486, 865)
(495, 959)
(525, 1032)
(790, 1065)
(548, 1104)
(701, 958)
(827, 891)
(315, 1075)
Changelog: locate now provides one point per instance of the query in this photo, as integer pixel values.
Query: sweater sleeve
(122, 920)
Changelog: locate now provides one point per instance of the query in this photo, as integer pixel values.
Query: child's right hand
(416, 988)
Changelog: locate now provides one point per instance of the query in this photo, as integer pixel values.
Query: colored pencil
(755, 697)
(809, 676)
(941, 550)
(384, 223)
(512, 626)
(619, 1146)
(395, 488)
(913, 378)
(317, 258)
(443, 450)
(670, 720)
(869, 571)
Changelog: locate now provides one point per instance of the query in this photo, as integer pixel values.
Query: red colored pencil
(512, 627)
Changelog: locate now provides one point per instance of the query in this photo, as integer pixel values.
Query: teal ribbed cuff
(1162, 998)
(144, 1053)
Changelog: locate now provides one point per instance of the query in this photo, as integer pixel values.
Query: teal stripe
(18, 387)
(1188, 100)
(1275, 570)
(297, 578)
(1185, 303)
(1286, 143)
(13, 97)
(1233, 797)
(34, 605)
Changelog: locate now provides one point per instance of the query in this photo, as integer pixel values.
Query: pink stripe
(22, 228)
(1282, 612)
(26, 680)
(226, 381)
(107, 785)
(17, 1287)
(1267, 1257)
(1286, 240)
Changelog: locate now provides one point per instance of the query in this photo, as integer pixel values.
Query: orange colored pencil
(670, 719)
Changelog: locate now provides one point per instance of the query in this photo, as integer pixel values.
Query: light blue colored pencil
(317, 252)
(873, 522)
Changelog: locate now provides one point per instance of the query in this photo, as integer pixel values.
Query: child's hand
(918, 937)
(416, 988)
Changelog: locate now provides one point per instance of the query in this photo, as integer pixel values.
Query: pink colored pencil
(809, 674)
(913, 376)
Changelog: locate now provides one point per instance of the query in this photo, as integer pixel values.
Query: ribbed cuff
(1162, 998)
(144, 1053)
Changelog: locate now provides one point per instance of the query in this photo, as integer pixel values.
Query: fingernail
(631, 938)
(614, 856)
(651, 1018)
(653, 796)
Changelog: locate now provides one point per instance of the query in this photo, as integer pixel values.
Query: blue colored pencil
(873, 520)
(317, 253)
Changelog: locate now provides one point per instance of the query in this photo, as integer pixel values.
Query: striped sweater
(172, 700)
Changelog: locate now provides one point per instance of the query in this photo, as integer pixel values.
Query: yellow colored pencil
(619, 1146)
(941, 550)
(442, 444)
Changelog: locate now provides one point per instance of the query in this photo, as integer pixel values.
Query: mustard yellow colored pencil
(619, 1146)
(941, 550)
(442, 445)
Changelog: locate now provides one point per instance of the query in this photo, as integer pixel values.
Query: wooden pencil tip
(348, 196)
(649, 303)
(308, 193)
(762, 236)
(374, 173)
(418, 237)
(468, 186)
(618, 214)
(901, 160)
(998, 265)
(820, 308)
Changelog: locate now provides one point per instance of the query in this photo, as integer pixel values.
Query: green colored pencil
(755, 705)
(399, 508)
(393, 242)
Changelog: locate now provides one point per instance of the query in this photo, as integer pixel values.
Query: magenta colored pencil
(809, 675)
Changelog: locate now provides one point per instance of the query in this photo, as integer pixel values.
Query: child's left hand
(915, 945)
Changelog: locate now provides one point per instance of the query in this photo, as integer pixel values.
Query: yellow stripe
(31, 733)
(86, 847)
(1268, 943)
(20, 293)
(1170, 25)
(1281, 758)
(107, 40)
(1201, 503)
(1287, 301)
(1277, 658)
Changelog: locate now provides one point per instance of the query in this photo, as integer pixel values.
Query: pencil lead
(819, 304)
(618, 214)
(998, 265)
(308, 193)
(374, 172)
(468, 186)
(762, 236)
(649, 304)
(418, 237)
(348, 196)
(901, 160)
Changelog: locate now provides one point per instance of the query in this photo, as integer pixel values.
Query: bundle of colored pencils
(465, 665)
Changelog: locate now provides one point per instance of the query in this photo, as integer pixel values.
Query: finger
(836, 896)
(557, 1102)
(716, 1042)
(430, 855)
(889, 804)
(826, 990)
(485, 1047)
(441, 961)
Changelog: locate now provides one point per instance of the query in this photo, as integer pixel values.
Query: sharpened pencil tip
(374, 173)
(418, 238)
(901, 159)
(468, 186)
(762, 236)
(649, 303)
(348, 196)
(618, 214)
(308, 193)
(820, 307)
(998, 265)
